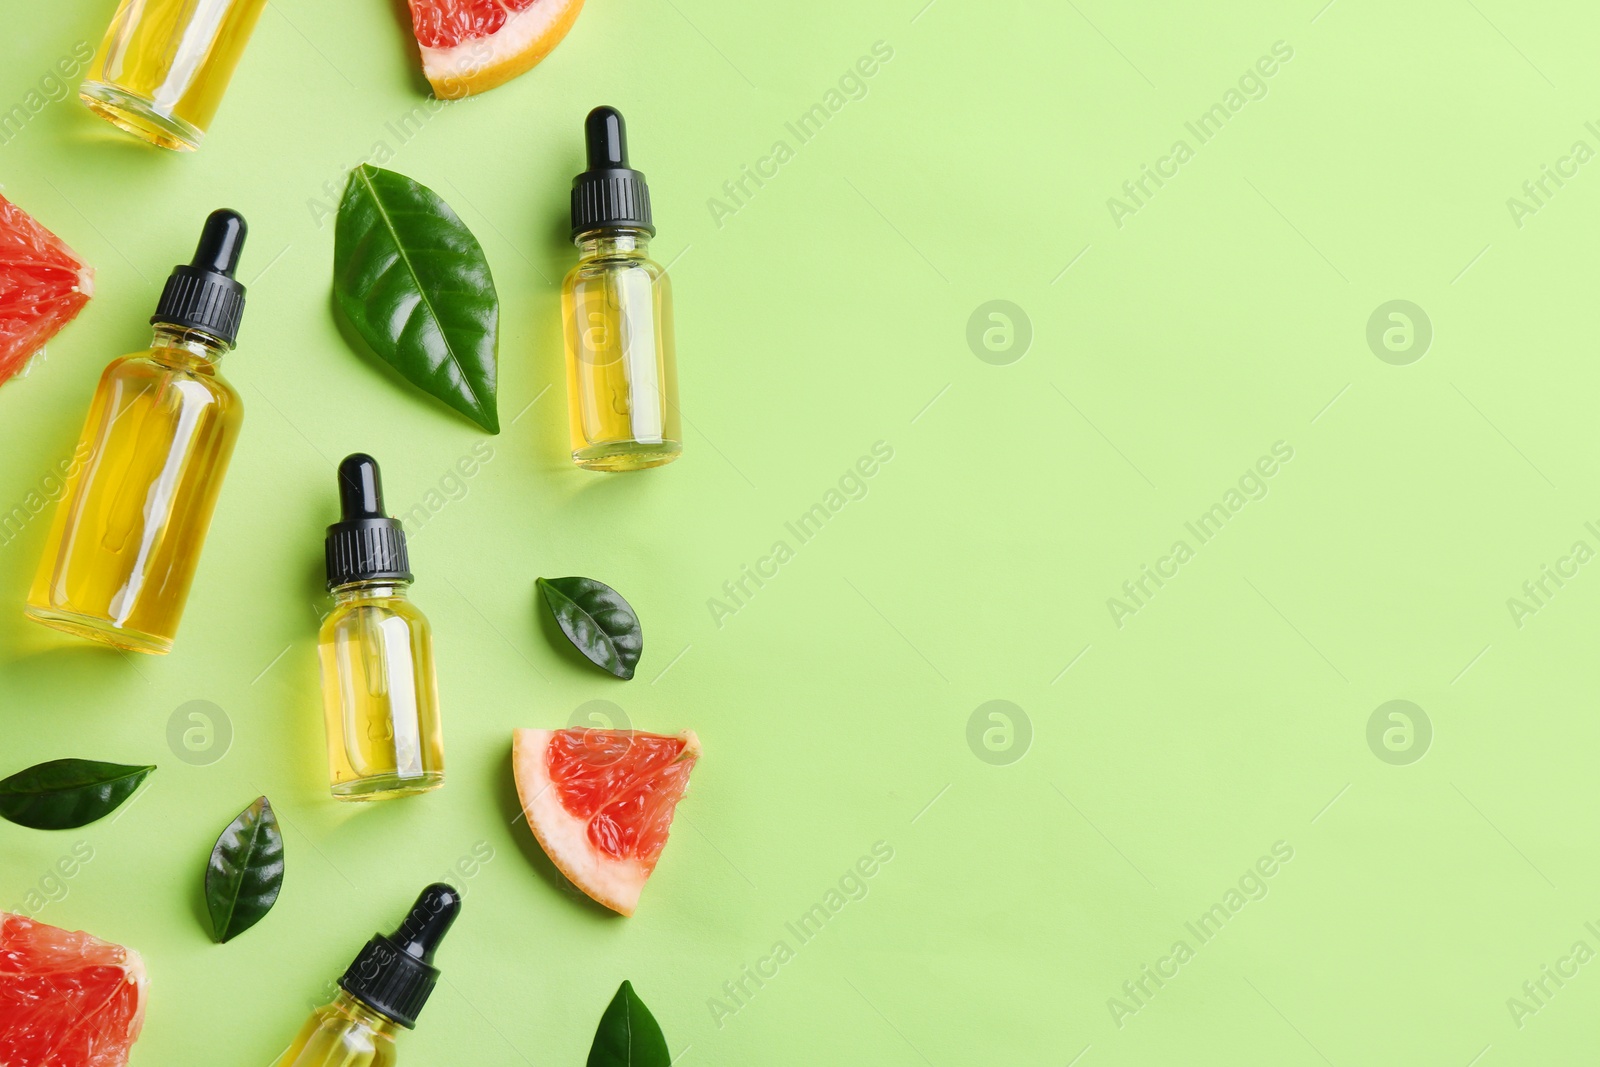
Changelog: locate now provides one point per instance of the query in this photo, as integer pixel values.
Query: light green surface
(828, 313)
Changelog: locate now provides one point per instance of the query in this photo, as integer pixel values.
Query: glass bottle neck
(184, 346)
(352, 1008)
(371, 589)
(594, 244)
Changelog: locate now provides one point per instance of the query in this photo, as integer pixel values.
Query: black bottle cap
(395, 975)
(202, 295)
(610, 194)
(365, 544)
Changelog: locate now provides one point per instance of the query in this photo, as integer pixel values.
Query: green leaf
(628, 1035)
(414, 283)
(597, 621)
(245, 872)
(67, 793)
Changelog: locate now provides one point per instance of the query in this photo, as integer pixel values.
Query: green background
(1043, 858)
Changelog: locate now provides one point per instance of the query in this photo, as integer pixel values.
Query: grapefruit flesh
(470, 46)
(66, 999)
(601, 803)
(43, 284)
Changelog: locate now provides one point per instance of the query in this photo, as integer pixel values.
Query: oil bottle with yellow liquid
(382, 991)
(164, 64)
(379, 692)
(126, 537)
(616, 310)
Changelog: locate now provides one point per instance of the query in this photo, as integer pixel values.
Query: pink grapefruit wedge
(601, 802)
(66, 999)
(43, 284)
(471, 46)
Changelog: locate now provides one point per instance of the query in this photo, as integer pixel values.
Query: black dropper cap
(395, 975)
(365, 544)
(610, 194)
(202, 295)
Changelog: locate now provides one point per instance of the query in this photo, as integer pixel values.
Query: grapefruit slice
(66, 999)
(471, 46)
(43, 284)
(601, 803)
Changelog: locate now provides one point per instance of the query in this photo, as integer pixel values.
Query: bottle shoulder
(596, 268)
(154, 367)
(366, 610)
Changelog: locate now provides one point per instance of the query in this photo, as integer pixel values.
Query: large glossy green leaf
(245, 872)
(67, 793)
(628, 1035)
(413, 282)
(597, 621)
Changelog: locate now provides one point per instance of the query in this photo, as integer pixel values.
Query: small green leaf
(628, 1035)
(414, 283)
(597, 621)
(67, 793)
(245, 872)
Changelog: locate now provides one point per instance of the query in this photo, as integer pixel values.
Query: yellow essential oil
(164, 64)
(127, 534)
(383, 990)
(616, 310)
(380, 695)
(345, 1033)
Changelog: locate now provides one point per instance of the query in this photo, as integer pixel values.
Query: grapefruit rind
(478, 64)
(614, 882)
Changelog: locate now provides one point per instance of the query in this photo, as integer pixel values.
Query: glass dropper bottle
(126, 537)
(616, 309)
(382, 991)
(380, 695)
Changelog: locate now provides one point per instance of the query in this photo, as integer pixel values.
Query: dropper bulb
(221, 242)
(365, 545)
(606, 138)
(360, 489)
(428, 922)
